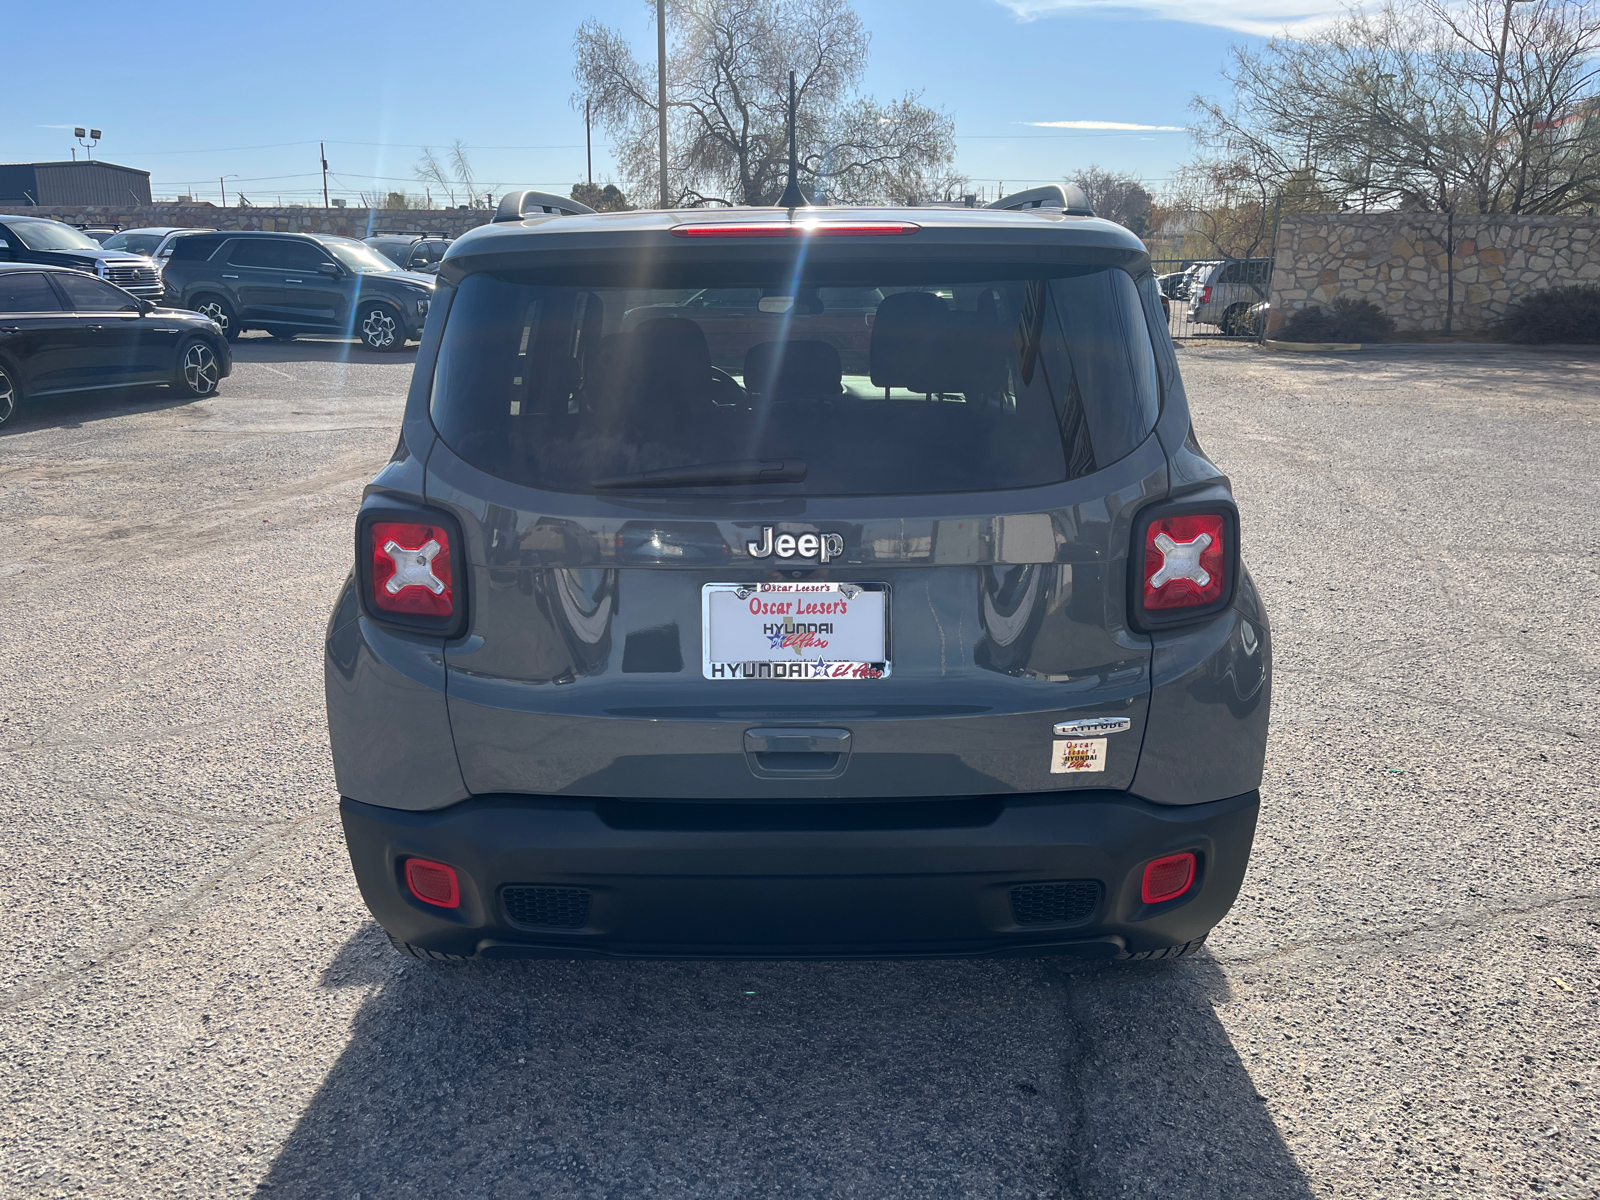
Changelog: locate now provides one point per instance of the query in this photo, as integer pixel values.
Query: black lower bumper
(546, 877)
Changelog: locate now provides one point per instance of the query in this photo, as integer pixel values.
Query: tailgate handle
(797, 741)
(792, 753)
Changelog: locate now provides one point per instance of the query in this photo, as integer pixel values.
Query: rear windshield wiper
(748, 470)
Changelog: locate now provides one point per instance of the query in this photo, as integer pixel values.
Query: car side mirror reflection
(333, 269)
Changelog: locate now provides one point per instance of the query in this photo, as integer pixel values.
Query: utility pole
(588, 145)
(661, 94)
(224, 188)
(323, 150)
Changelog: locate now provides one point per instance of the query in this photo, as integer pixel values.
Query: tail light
(433, 883)
(806, 228)
(1205, 295)
(1167, 878)
(411, 568)
(1187, 561)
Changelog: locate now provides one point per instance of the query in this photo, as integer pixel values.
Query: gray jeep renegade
(818, 582)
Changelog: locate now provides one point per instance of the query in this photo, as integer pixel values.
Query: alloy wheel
(379, 329)
(214, 310)
(200, 371)
(8, 398)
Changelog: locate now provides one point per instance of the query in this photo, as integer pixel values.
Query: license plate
(795, 630)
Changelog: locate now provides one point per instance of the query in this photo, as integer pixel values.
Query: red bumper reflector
(433, 883)
(1185, 561)
(411, 568)
(785, 229)
(1167, 878)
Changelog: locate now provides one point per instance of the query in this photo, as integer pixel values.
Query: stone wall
(351, 222)
(1398, 261)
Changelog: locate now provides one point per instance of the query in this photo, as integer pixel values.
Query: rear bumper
(868, 879)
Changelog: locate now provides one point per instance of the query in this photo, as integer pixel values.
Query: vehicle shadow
(313, 347)
(74, 411)
(935, 1078)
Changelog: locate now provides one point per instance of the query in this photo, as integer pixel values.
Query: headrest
(793, 370)
(907, 341)
(670, 356)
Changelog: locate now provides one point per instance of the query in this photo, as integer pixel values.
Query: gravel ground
(1403, 1002)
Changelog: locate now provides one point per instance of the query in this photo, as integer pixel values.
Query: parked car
(100, 233)
(62, 331)
(419, 252)
(666, 641)
(1225, 292)
(54, 243)
(294, 283)
(140, 241)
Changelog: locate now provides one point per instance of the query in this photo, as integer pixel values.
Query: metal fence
(1222, 298)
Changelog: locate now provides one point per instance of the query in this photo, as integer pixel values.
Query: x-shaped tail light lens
(411, 569)
(1185, 561)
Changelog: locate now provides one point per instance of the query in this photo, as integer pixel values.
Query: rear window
(876, 383)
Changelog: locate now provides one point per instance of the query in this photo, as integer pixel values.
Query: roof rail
(1069, 199)
(516, 205)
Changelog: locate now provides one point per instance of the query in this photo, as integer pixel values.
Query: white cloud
(1118, 125)
(1263, 18)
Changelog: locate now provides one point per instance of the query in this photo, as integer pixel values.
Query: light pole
(661, 94)
(223, 184)
(88, 146)
(588, 143)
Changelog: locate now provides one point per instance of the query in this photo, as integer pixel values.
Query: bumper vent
(1055, 903)
(546, 907)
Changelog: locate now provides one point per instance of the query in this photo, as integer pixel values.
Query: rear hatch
(804, 517)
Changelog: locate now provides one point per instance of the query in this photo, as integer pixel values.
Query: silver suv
(828, 582)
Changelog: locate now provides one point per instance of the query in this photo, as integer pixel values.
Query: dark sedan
(62, 331)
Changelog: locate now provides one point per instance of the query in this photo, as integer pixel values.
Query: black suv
(293, 283)
(412, 251)
(820, 582)
(53, 243)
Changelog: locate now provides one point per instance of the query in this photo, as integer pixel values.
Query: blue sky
(242, 94)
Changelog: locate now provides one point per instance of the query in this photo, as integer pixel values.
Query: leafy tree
(727, 107)
(608, 198)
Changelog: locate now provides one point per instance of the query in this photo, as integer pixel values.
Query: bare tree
(727, 107)
(1414, 106)
(1116, 196)
(453, 176)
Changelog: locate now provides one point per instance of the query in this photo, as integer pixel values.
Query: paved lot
(1404, 1001)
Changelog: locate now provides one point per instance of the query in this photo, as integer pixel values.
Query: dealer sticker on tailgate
(795, 630)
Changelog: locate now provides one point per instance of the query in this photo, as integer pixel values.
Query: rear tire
(221, 314)
(1182, 950)
(1236, 320)
(379, 328)
(411, 951)
(198, 370)
(10, 396)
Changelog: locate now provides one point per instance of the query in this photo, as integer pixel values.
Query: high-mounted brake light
(411, 568)
(1205, 296)
(787, 229)
(1167, 878)
(433, 883)
(1185, 561)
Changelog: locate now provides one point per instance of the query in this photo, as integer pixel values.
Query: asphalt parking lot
(1404, 1001)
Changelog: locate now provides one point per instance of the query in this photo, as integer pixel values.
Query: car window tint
(965, 386)
(301, 256)
(1108, 345)
(193, 247)
(257, 252)
(90, 295)
(27, 292)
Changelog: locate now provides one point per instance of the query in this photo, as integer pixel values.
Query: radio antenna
(792, 196)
